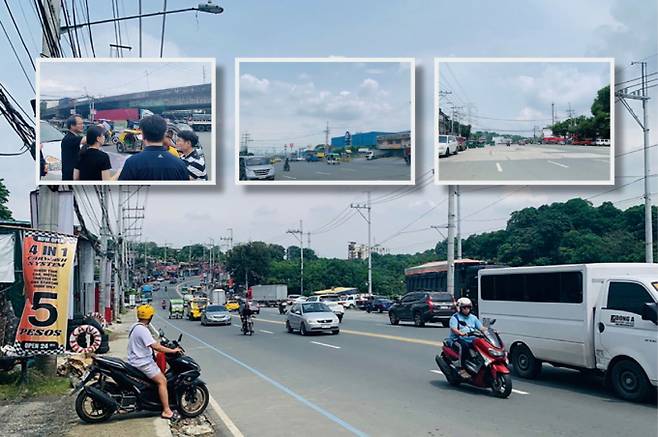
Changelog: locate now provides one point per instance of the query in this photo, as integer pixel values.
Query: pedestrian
(187, 143)
(71, 146)
(154, 163)
(93, 164)
(286, 165)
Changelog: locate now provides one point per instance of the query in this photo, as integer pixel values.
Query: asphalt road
(378, 379)
(527, 164)
(358, 169)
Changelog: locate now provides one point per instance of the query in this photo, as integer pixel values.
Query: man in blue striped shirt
(187, 143)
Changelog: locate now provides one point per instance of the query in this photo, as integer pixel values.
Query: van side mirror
(649, 312)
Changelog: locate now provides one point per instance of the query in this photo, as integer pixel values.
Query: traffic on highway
(377, 370)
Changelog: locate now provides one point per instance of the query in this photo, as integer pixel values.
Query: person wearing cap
(460, 332)
(141, 348)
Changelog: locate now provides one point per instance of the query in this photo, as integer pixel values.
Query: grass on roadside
(38, 385)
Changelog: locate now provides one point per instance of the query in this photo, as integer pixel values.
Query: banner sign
(48, 275)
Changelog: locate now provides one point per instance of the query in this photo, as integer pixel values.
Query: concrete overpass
(158, 101)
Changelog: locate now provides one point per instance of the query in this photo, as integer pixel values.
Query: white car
(332, 302)
(51, 143)
(448, 145)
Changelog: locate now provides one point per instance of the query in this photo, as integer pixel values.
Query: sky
(513, 97)
(623, 29)
(68, 79)
(292, 102)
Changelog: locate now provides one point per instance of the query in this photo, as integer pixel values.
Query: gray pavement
(358, 169)
(374, 379)
(527, 163)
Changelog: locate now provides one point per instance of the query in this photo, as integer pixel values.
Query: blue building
(359, 139)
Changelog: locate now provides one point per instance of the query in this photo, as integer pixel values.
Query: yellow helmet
(145, 312)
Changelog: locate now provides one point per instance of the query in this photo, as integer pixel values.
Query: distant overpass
(158, 101)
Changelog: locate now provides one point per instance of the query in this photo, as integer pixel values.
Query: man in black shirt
(93, 164)
(71, 146)
(154, 163)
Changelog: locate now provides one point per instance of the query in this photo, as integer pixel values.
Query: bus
(433, 276)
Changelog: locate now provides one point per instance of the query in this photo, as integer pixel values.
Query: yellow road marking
(371, 334)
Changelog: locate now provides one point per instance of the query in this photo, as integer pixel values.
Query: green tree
(251, 261)
(5, 213)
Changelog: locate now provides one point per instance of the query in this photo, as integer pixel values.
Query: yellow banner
(48, 274)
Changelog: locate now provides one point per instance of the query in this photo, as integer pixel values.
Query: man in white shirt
(141, 346)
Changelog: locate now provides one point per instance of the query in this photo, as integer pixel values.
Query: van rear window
(555, 287)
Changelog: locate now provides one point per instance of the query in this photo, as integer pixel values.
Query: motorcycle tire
(501, 386)
(200, 405)
(84, 415)
(452, 378)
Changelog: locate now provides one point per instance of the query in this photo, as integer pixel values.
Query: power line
(20, 35)
(13, 49)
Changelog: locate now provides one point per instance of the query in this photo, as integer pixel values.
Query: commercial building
(394, 144)
(359, 139)
(360, 251)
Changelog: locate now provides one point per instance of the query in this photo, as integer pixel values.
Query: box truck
(598, 317)
(269, 295)
(217, 297)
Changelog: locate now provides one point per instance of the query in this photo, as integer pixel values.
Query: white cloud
(252, 85)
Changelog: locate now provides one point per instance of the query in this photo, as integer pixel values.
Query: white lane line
(520, 392)
(235, 432)
(326, 345)
(266, 332)
(288, 177)
(323, 173)
(558, 164)
(500, 169)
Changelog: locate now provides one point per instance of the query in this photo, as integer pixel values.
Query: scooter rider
(460, 333)
(141, 347)
(245, 312)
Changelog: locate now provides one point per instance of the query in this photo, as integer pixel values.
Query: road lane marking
(275, 383)
(500, 169)
(235, 432)
(323, 173)
(266, 332)
(325, 344)
(288, 177)
(559, 164)
(372, 334)
(520, 392)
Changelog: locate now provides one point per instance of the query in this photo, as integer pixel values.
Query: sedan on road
(310, 317)
(215, 315)
(379, 304)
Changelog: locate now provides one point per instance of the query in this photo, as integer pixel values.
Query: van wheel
(629, 381)
(524, 362)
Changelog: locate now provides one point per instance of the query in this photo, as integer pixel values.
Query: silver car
(215, 315)
(310, 317)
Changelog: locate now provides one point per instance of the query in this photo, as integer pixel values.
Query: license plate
(326, 326)
(445, 307)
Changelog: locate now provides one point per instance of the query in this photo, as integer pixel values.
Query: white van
(447, 145)
(582, 316)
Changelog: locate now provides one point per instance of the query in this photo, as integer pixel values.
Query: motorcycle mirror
(492, 322)
(180, 337)
(161, 332)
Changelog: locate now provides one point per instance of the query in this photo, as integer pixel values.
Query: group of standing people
(161, 159)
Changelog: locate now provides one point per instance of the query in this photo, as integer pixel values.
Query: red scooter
(485, 362)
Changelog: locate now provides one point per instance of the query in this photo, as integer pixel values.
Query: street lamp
(209, 7)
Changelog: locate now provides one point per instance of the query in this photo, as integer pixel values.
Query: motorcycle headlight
(496, 352)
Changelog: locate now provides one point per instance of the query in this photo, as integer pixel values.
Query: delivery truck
(269, 295)
(217, 297)
(594, 317)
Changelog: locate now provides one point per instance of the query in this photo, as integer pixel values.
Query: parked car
(423, 307)
(332, 301)
(350, 301)
(310, 317)
(215, 315)
(256, 168)
(379, 304)
(448, 145)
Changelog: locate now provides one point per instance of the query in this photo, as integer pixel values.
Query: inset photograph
(519, 121)
(324, 121)
(119, 121)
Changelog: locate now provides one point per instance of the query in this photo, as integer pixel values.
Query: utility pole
(299, 235)
(104, 303)
(326, 139)
(553, 113)
(140, 28)
(368, 207)
(118, 257)
(451, 240)
(458, 192)
(643, 96)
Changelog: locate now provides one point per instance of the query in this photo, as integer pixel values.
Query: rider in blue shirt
(460, 333)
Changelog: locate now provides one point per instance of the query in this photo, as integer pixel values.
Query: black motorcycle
(248, 325)
(111, 386)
